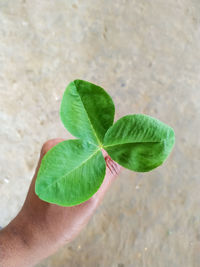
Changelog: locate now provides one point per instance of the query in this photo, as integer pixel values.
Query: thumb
(112, 170)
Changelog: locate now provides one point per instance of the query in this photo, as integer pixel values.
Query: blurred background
(146, 54)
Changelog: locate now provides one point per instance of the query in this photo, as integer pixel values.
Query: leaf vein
(93, 130)
(126, 143)
(66, 174)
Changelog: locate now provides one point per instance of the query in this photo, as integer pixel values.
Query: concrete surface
(146, 54)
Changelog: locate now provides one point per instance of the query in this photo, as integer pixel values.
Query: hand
(41, 228)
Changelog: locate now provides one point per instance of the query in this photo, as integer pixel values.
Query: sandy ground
(146, 55)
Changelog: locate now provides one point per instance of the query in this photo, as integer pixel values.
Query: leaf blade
(139, 142)
(87, 111)
(70, 173)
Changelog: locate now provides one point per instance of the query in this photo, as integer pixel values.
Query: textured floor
(146, 54)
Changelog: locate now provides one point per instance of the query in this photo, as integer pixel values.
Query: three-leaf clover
(73, 170)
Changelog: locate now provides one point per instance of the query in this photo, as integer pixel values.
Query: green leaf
(87, 111)
(70, 173)
(139, 142)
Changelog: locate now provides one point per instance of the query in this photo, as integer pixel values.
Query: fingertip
(49, 144)
(112, 166)
(112, 171)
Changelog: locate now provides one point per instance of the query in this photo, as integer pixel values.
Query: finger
(45, 148)
(49, 144)
(112, 171)
(112, 168)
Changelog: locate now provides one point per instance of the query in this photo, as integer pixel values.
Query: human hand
(41, 228)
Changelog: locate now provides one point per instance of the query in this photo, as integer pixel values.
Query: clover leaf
(87, 111)
(73, 170)
(139, 142)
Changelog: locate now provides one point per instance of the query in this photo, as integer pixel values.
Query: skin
(41, 228)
